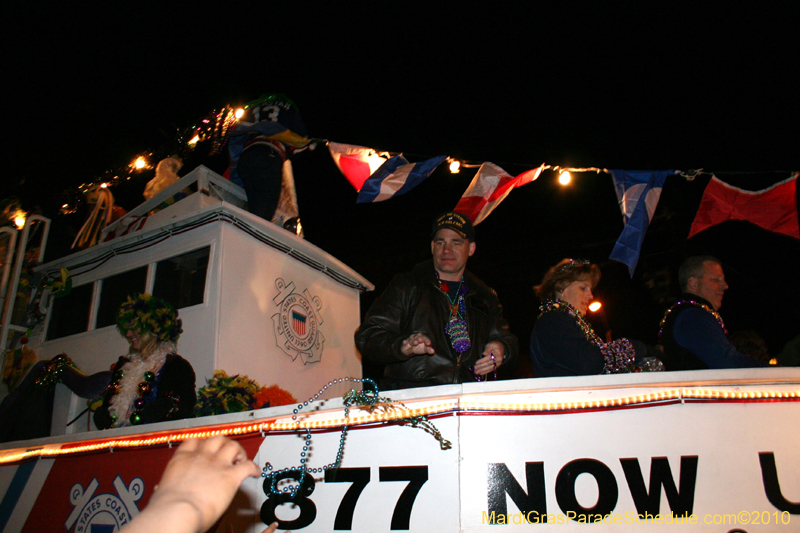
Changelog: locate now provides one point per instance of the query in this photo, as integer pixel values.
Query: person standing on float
(438, 324)
(269, 132)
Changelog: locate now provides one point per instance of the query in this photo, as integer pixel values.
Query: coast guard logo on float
(297, 323)
(104, 513)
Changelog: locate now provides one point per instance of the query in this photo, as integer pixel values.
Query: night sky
(648, 85)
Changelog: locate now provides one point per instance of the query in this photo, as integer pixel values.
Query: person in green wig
(152, 383)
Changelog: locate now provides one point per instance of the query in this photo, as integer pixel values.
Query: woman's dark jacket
(560, 348)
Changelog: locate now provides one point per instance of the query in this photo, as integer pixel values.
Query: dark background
(647, 85)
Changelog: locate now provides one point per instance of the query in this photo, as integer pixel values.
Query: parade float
(695, 451)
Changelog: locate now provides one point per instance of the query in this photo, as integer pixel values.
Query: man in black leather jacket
(438, 324)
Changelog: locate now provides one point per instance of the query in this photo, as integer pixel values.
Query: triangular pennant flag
(488, 188)
(638, 192)
(773, 208)
(357, 163)
(395, 177)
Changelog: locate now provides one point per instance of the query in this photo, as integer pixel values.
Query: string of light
(218, 123)
(456, 407)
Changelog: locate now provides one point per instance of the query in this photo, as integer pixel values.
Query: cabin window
(71, 313)
(181, 280)
(115, 291)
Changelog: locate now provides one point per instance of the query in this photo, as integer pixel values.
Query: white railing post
(22, 247)
(10, 235)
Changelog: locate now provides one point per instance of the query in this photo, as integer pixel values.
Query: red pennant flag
(489, 187)
(774, 208)
(357, 163)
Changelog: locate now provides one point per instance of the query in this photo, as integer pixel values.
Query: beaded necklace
(132, 385)
(52, 370)
(457, 328)
(562, 306)
(619, 355)
(696, 304)
(369, 398)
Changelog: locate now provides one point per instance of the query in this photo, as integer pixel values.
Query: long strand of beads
(564, 307)
(376, 402)
(299, 472)
(618, 355)
(51, 372)
(696, 304)
(144, 389)
(456, 327)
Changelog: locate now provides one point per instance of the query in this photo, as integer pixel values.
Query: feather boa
(121, 404)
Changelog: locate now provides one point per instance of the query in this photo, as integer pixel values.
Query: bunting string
(379, 175)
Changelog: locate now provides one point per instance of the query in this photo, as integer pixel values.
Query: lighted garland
(369, 399)
(664, 398)
(619, 355)
(212, 127)
(216, 125)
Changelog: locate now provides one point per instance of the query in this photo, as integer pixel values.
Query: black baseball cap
(456, 222)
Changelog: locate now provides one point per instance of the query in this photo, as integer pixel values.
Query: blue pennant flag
(395, 177)
(638, 192)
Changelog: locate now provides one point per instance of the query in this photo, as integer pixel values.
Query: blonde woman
(152, 383)
(563, 343)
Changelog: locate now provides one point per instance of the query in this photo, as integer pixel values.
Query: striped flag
(357, 163)
(489, 187)
(299, 323)
(395, 177)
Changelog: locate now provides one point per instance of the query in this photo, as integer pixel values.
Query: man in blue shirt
(692, 332)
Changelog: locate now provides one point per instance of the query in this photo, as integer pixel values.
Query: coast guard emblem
(297, 323)
(104, 513)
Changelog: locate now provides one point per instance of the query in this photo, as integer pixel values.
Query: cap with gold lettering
(456, 222)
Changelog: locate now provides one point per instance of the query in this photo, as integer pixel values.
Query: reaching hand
(417, 344)
(197, 486)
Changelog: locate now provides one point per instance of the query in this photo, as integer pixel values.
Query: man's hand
(486, 364)
(417, 344)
